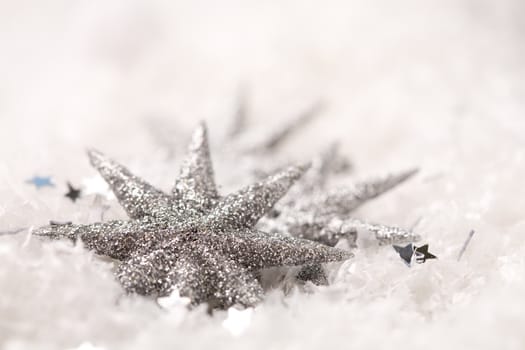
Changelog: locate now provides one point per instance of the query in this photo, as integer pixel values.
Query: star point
(196, 181)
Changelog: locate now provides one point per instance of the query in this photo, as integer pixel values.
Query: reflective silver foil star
(193, 240)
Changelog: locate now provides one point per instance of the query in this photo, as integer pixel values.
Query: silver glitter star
(315, 211)
(410, 253)
(312, 209)
(193, 240)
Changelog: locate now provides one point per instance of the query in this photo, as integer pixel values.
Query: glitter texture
(312, 209)
(194, 241)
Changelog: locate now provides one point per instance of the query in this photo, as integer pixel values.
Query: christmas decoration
(410, 252)
(422, 254)
(194, 240)
(73, 193)
(312, 209)
(41, 181)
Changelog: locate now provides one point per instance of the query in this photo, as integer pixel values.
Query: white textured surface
(438, 84)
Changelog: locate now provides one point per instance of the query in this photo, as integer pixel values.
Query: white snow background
(437, 84)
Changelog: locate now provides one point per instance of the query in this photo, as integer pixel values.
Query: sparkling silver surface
(192, 240)
(312, 209)
(196, 183)
(389, 234)
(246, 207)
(342, 201)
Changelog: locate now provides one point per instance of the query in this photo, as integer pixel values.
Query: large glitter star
(312, 209)
(194, 240)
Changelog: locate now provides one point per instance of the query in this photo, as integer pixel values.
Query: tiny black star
(73, 193)
(422, 254)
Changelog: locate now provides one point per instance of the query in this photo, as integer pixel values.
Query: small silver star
(194, 240)
(410, 252)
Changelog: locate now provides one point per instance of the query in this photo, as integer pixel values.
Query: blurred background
(410, 77)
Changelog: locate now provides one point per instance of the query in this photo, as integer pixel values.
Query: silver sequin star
(194, 240)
